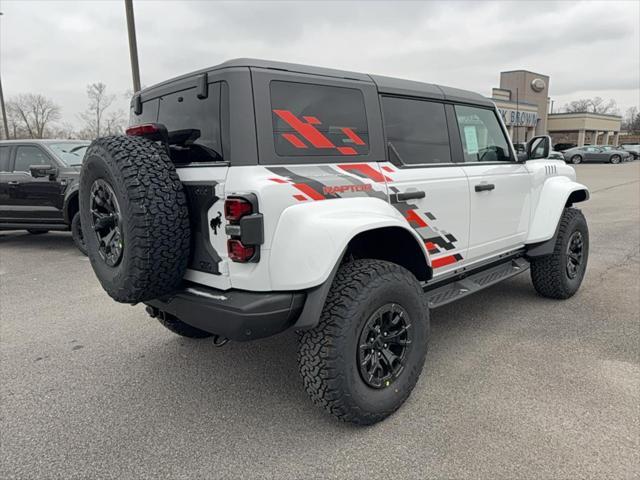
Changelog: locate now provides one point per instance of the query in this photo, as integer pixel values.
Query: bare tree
(30, 115)
(64, 130)
(99, 101)
(592, 105)
(631, 121)
(114, 123)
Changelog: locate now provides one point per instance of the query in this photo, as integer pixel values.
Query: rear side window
(193, 124)
(482, 138)
(314, 120)
(417, 130)
(4, 159)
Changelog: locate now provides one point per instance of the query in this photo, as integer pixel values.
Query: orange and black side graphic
(438, 242)
(324, 182)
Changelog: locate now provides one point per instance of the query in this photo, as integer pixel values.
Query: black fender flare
(316, 297)
(69, 196)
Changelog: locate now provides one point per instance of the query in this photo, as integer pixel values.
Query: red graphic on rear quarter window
(306, 128)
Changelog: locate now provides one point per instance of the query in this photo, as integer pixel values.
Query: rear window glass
(417, 130)
(149, 113)
(314, 120)
(193, 124)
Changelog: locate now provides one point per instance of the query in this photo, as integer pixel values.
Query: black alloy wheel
(575, 254)
(384, 342)
(106, 222)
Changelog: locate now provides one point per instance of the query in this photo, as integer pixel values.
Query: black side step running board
(475, 282)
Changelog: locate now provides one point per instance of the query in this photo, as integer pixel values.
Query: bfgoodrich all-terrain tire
(134, 218)
(560, 274)
(364, 357)
(77, 234)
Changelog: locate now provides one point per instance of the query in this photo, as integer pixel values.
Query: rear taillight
(144, 129)
(236, 208)
(238, 252)
(245, 227)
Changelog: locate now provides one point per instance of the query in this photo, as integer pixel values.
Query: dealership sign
(520, 119)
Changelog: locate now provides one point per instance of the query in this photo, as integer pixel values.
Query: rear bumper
(234, 314)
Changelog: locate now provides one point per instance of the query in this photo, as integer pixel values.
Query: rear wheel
(576, 159)
(615, 159)
(560, 274)
(363, 359)
(77, 235)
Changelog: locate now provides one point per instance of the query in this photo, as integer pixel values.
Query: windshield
(70, 153)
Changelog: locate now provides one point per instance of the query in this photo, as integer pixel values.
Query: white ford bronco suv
(255, 197)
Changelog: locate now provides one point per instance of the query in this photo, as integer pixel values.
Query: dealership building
(523, 101)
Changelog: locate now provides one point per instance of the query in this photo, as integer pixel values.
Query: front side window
(4, 158)
(318, 120)
(29, 155)
(482, 138)
(416, 130)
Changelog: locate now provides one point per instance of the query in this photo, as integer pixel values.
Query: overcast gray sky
(587, 48)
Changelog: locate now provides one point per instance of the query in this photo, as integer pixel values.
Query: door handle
(401, 197)
(485, 187)
(14, 182)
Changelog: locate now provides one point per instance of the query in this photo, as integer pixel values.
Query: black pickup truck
(39, 186)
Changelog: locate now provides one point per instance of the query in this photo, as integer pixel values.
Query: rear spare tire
(134, 218)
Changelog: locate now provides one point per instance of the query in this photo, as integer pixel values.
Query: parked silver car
(632, 148)
(595, 154)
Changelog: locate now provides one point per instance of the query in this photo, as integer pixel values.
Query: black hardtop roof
(391, 85)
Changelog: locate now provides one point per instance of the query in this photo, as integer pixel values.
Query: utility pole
(4, 110)
(4, 114)
(133, 45)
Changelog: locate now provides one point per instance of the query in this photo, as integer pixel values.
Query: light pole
(133, 45)
(4, 110)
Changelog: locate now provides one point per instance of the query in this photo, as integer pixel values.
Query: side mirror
(538, 147)
(39, 171)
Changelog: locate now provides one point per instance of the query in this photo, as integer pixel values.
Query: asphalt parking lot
(515, 385)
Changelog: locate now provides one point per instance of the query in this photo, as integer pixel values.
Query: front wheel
(77, 234)
(363, 359)
(615, 159)
(560, 274)
(576, 159)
